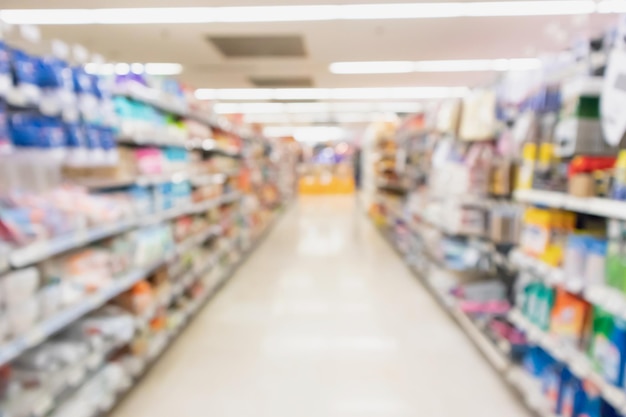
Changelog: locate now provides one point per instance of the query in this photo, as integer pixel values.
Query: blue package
(593, 404)
(82, 81)
(95, 85)
(107, 138)
(92, 135)
(537, 360)
(4, 125)
(51, 73)
(572, 397)
(5, 59)
(614, 371)
(142, 199)
(551, 385)
(35, 131)
(24, 67)
(75, 136)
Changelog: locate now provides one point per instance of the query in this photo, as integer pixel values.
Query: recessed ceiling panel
(259, 46)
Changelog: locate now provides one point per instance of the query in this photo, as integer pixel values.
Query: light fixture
(372, 67)
(137, 68)
(122, 68)
(161, 15)
(383, 93)
(163, 68)
(309, 134)
(313, 108)
(458, 65)
(152, 68)
(612, 6)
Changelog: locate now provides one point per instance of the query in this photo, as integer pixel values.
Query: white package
(478, 119)
(19, 286)
(23, 317)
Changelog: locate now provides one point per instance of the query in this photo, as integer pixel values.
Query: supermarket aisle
(322, 321)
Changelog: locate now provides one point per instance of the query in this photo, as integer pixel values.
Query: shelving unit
(577, 362)
(601, 207)
(496, 353)
(39, 251)
(43, 404)
(192, 225)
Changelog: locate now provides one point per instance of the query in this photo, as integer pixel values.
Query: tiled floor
(323, 320)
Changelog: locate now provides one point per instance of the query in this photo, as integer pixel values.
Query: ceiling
(323, 42)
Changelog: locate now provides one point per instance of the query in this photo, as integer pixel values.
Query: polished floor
(323, 320)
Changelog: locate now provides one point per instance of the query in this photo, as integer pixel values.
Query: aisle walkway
(323, 320)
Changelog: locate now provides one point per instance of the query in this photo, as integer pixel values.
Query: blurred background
(447, 177)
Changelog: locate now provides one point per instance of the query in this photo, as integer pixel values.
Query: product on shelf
(509, 212)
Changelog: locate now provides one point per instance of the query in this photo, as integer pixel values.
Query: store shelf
(48, 327)
(190, 313)
(388, 186)
(170, 104)
(40, 251)
(211, 145)
(610, 299)
(142, 180)
(210, 179)
(496, 353)
(155, 98)
(530, 391)
(151, 140)
(576, 360)
(602, 207)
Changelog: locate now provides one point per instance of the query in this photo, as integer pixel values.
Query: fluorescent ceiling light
(158, 15)
(612, 6)
(152, 68)
(313, 118)
(308, 134)
(461, 65)
(389, 93)
(372, 67)
(313, 108)
(163, 68)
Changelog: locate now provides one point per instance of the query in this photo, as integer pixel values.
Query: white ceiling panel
(325, 42)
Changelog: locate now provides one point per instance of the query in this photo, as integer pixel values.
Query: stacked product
(120, 216)
(513, 218)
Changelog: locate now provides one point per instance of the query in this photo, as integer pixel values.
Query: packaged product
(19, 286)
(22, 317)
(138, 299)
(570, 318)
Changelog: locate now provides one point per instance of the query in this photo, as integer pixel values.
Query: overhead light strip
(245, 14)
(152, 68)
(463, 65)
(389, 93)
(316, 108)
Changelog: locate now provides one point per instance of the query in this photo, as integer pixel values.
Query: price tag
(94, 360)
(97, 59)
(35, 336)
(42, 405)
(60, 49)
(80, 54)
(614, 303)
(613, 395)
(574, 285)
(76, 375)
(30, 33)
(579, 367)
(5, 29)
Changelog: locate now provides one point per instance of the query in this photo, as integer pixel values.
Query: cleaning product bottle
(619, 177)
